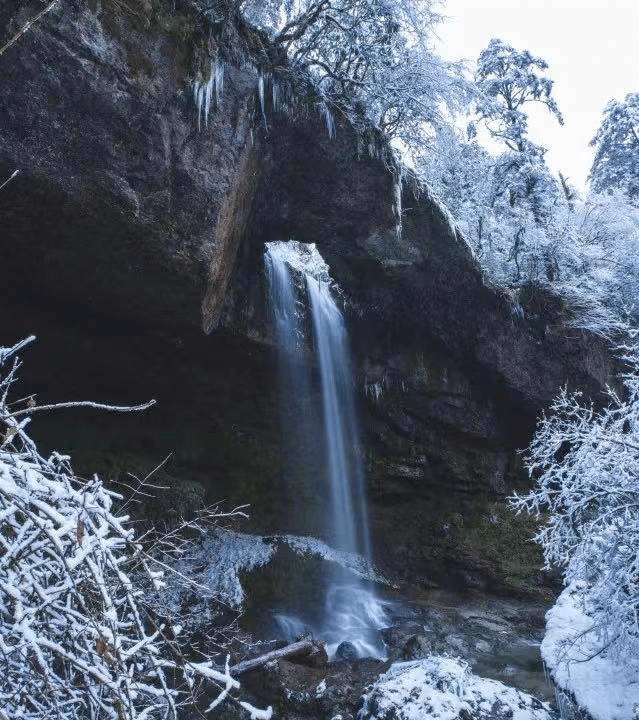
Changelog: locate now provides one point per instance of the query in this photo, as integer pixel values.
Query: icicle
(326, 113)
(208, 91)
(198, 102)
(260, 90)
(218, 73)
(397, 207)
(275, 91)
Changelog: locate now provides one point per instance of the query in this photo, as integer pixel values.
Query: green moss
(504, 539)
(193, 43)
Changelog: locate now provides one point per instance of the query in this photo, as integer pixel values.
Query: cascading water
(295, 271)
(348, 522)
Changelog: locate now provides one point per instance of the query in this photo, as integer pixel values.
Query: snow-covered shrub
(76, 638)
(585, 463)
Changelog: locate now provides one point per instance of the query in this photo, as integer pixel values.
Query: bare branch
(25, 27)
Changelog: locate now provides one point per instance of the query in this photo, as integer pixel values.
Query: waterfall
(348, 521)
(299, 285)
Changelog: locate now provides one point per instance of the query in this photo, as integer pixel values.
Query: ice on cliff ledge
(443, 688)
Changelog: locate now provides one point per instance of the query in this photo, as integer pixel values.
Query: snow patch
(580, 664)
(303, 257)
(443, 688)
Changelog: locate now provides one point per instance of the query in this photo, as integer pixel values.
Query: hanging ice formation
(298, 280)
(203, 92)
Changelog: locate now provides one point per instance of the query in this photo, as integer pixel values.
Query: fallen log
(304, 647)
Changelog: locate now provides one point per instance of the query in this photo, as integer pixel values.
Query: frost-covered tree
(520, 194)
(77, 638)
(371, 60)
(585, 463)
(616, 162)
(509, 80)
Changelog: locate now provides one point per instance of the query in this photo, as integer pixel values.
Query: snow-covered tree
(585, 463)
(616, 162)
(508, 81)
(519, 195)
(77, 639)
(370, 60)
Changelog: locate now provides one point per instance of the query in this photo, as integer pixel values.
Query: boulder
(444, 688)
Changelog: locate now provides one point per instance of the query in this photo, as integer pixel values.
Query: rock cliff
(132, 242)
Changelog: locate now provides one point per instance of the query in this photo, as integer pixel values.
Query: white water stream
(298, 283)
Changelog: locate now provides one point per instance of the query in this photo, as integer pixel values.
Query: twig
(24, 29)
(82, 403)
(8, 180)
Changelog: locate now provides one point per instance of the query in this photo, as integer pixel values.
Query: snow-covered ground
(578, 662)
(443, 688)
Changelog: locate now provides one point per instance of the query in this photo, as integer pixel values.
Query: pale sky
(592, 50)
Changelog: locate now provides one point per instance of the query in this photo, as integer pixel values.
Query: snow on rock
(303, 257)
(220, 557)
(355, 563)
(443, 688)
(580, 664)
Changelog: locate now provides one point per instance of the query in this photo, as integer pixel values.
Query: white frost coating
(355, 563)
(573, 653)
(443, 688)
(256, 714)
(221, 556)
(453, 226)
(303, 257)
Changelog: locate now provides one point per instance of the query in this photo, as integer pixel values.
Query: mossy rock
(497, 534)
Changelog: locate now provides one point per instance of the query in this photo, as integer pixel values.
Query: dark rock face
(127, 219)
(121, 203)
(451, 379)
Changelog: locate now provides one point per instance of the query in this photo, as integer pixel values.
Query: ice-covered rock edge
(223, 554)
(579, 663)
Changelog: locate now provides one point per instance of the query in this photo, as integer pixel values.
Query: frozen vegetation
(350, 561)
(78, 637)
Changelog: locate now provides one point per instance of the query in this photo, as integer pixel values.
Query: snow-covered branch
(77, 636)
(586, 465)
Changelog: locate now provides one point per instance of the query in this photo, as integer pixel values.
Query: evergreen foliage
(616, 162)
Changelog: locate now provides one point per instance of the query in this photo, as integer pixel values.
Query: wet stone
(346, 651)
